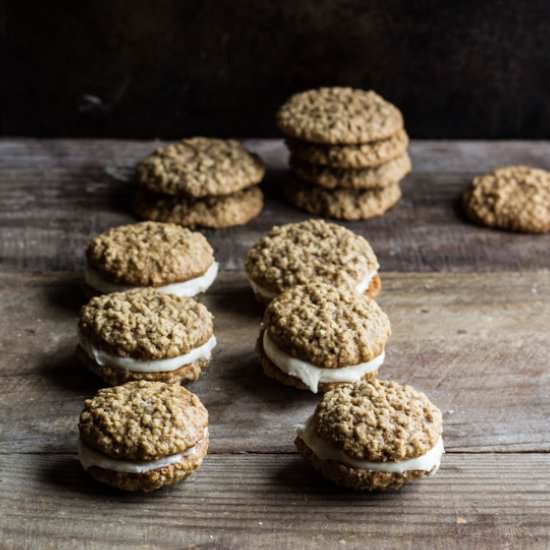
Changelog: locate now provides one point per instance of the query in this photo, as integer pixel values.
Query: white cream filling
(312, 375)
(360, 288)
(428, 462)
(89, 457)
(104, 359)
(189, 288)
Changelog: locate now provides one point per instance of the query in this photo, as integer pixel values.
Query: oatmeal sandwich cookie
(339, 115)
(143, 435)
(342, 204)
(373, 435)
(314, 250)
(215, 212)
(516, 198)
(317, 336)
(168, 257)
(144, 334)
(199, 167)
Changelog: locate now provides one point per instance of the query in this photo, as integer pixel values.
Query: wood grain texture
(268, 501)
(57, 194)
(476, 343)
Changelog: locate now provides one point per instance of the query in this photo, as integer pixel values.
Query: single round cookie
(516, 198)
(143, 435)
(373, 435)
(377, 177)
(300, 253)
(200, 167)
(315, 336)
(339, 115)
(144, 334)
(213, 212)
(342, 204)
(168, 257)
(362, 155)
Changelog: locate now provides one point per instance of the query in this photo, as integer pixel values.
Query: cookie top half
(145, 324)
(326, 326)
(378, 421)
(143, 420)
(300, 253)
(339, 115)
(200, 167)
(512, 197)
(149, 254)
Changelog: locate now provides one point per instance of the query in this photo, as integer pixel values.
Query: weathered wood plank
(477, 343)
(267, 501)
(56, 194)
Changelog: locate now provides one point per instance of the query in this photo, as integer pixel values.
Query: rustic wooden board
(477, 344)
(267, 501)
(56, 194)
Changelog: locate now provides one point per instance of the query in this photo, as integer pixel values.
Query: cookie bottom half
(275, 373)
(116, 376)
(212, 212)
(354, 478)
(154, 479)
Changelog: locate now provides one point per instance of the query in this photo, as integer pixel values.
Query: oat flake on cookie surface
(326, 326)
(149, 254)
(379, 421)
(200, 167)
(512, 197)
(339, 115)
(145, 324)
(143, 420)
(300, 253)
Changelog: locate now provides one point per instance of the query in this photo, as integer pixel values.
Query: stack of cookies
(348, 152)
(200, 182)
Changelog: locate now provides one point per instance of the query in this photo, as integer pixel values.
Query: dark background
(169, 68)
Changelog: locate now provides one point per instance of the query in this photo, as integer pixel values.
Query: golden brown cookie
(378, 177)
(373, 435)
(145, 334)
(339, 115)
(213, 212)
(516, 198)
(200, 167)
(342, 204)
(299, 253)
(320, 334)
(166, 256)
(356, 156)
(143, 435)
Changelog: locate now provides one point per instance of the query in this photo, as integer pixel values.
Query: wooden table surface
(470, 311)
